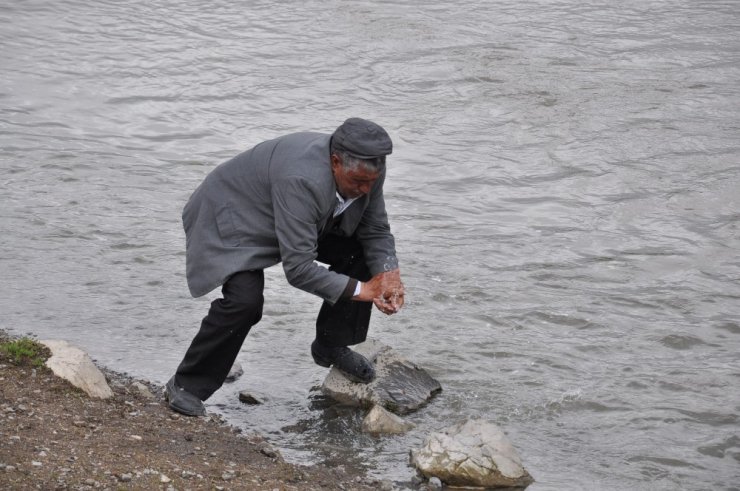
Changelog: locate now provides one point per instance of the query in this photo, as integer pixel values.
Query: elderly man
(297, 199)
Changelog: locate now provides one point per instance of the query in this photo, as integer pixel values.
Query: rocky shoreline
(54, 436)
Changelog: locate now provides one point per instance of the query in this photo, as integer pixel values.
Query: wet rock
(73, 365)
(379, 421)
(473, 453)
(248, 398)
(235, 372)
(400, 386)
(269, 451)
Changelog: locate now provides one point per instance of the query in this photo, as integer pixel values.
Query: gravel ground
(53, 436)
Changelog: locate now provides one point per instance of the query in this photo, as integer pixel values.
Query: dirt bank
(53, 436)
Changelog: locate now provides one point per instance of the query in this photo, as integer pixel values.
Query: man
(297, 199)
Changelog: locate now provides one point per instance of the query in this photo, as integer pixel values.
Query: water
(564, 193)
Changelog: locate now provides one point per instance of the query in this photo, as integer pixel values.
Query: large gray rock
(473, 453)
(399, 386)
(73, 365)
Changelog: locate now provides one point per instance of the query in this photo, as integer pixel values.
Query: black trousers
(222, 332)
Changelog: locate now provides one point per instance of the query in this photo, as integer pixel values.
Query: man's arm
(385, 289)
(297, 211)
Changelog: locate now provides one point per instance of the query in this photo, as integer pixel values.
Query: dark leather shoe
(182, 401)
(353, 365)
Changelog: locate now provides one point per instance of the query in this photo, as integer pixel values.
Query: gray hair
(350, 162)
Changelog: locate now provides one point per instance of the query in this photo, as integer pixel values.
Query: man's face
(352, 183)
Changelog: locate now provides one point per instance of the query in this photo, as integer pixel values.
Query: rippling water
(565, 193)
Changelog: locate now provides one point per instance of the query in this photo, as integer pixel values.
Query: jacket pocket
(226, 228)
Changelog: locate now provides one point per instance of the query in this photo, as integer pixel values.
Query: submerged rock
(379, 421)
(400, 386)
(73, 365)
(235, 372)
(248, 398)
(473, 453)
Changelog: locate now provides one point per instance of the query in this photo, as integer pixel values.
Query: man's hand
(385, 290)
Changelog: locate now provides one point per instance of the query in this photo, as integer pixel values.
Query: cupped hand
(385, 290)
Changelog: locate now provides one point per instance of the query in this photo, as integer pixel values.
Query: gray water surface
(564, 190)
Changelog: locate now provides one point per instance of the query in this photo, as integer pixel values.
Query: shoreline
(54, 436)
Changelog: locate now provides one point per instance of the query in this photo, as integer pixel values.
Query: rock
(235, 372)
(399, 386)
(380, 421)
(73, 365)
(473, 453)
(386, 485)
(269, 451)
(143, 390)
(248, 398)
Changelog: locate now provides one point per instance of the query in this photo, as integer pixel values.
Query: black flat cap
(362, 139)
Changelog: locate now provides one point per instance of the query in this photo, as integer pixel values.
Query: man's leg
(346, 322)
(213, 350)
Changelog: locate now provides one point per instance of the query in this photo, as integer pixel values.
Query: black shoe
(353, 365)
(182, 401)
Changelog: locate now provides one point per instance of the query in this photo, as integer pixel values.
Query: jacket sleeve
(374, 232)
(297, 210)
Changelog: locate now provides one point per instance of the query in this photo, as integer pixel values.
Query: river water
(564, 190)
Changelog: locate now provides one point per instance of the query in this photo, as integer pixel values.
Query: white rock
(472, 453)
(73, 365)
(380, 421)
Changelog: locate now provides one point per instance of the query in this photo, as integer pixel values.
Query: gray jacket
(270, 204)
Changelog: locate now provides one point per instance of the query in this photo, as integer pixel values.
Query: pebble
(435, 483)
(164, 479)
(136, 437)
(125, 477)
(143, 390)
(386, 485)
(268, 451)
(36, 463)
